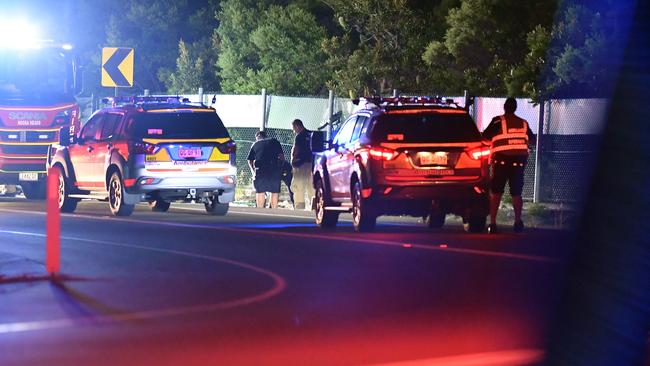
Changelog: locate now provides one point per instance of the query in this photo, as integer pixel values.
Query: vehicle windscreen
(425, 127)
(30, 71)
(194, 125)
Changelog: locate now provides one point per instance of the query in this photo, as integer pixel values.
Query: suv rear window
(197, 125)
(425, 127)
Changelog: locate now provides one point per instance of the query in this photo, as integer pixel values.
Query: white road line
(513, 357)
(279, 284)
(345, 239)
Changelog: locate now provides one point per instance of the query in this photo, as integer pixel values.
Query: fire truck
(38, 83)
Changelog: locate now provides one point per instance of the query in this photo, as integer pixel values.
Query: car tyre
(475, 224)
(214, 207)
(324, 219)
(363, 217)
(66, 203)
(159, 205)
(436, 220)
(116, 197)
(34, 190)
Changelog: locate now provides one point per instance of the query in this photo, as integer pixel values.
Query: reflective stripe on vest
(511, 139)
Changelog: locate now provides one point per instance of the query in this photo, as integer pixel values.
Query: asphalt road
(266, 287)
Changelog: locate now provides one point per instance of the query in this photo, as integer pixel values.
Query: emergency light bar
(160, 99)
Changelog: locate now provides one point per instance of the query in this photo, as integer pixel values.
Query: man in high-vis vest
(509, 136)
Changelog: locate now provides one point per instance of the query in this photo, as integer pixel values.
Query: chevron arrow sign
(117, 67)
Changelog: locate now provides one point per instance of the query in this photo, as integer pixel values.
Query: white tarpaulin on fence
(488, 108)
(576, 116)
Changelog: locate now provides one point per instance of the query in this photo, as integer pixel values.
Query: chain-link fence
(570, 135)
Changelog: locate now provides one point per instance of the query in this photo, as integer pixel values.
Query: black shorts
(511, 170)
(267, 181)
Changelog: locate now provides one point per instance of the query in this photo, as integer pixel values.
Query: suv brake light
(145, 148)
(228, 148)
(380, 153)
(479, 153)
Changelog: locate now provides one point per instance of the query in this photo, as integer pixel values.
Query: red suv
(416, 156)
(148, 149)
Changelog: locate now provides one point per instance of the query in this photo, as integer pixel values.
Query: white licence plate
(438, 158)
(189, 153)
(28, 177)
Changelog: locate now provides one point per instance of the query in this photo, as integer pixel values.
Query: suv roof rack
(403, 101)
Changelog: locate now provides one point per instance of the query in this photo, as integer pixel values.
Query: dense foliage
(536, 48)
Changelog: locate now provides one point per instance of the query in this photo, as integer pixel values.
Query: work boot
(518, 226)
(492, 229)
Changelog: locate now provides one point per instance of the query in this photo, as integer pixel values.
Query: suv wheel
(159, 205)
(324, 218)
(435, 220)
(66, 203)
(116, 196)
(34, 190)
(474, 224)
(363, 217)
(213, 207)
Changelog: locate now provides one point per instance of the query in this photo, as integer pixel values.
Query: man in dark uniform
(509, 136)
(265, 161)
(301, 157)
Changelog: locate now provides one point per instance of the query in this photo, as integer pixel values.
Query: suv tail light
(228, 147)
(479, 153)
(145, 148)
(380, 153)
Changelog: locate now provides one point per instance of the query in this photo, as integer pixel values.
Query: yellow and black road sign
(117, 67)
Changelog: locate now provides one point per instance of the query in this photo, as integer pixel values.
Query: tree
(269, 46)
(486, 40)
(380, 49)
(154, 29)
(584, 51)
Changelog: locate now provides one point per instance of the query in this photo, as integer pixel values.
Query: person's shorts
(510, 170)
(266, 182)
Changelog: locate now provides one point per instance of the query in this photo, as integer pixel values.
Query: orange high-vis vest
(511, 139)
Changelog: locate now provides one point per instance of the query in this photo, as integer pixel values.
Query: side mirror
(64, 136)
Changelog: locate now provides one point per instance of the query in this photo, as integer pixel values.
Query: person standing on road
(301, 159)
(265, 161)
(509, 136)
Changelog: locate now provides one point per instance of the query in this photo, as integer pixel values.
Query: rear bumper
(12, 178)
(183, 186)
(418, 199)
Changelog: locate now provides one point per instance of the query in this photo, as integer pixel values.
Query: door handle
(90, 149)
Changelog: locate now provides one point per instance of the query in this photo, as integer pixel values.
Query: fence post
(538, 153)
(146, 92)
(201, 95)
(394, 93)
(330, 115)
(263, 122)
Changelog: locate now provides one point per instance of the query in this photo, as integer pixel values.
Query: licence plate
(438, 158)
(426, 172)
(189, 153)
(28, 177)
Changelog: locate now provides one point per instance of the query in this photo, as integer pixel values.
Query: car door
(337, 160)
(347, 157)
(80, 153)
(103, 146)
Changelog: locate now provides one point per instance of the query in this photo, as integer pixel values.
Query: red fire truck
(38, 84)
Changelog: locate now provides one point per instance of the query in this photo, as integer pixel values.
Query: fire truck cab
(38, 83)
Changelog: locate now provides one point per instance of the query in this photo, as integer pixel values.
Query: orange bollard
(53, 224)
